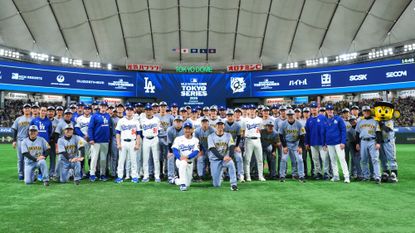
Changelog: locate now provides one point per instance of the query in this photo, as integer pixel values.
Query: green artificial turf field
(272, 206)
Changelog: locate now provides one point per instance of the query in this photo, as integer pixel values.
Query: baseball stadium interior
(207, 115)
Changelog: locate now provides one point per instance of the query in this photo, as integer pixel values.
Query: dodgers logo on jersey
(183, 147)
(252, 126)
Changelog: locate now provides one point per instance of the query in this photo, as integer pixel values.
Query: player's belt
(253, 138)
(149, 138)
(387, 140)
(368, 139)
(128, 140)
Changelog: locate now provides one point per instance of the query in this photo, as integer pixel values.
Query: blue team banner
(37, 78)
(342, 79)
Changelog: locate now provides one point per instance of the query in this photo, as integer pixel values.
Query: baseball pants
(239, 163)
(20, 159)
(336, 151)
(216, 169)
(253, 146)
(29, 169)
(316, 152)
(164, 149)
(151, 146)
(66, 166)
(271, 160)
(127, 152)
(113, 158)
(52, 159)
(99, 150)
(292, 152)
(368, 151)
(185, 172)
(201, 164)
(387, 155)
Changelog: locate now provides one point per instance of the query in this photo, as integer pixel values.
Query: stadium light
(380, 53)
(346, 57)
(109, 66)
(9, 53)
(409, 47)
(93, 64)
(39, 56)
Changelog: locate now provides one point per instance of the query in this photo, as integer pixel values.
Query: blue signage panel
(37, 78)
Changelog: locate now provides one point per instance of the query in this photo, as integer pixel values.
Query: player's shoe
(393, 178)
(378, 181)
(127, 178)
(21, 178)
(301, 180)
(46, 183)
(282, 179)
(77, 182)
(119, 180)
(326, 177)
(241, 178)
(294, 177)
(248, 179)
(145, 180)
(39, 177)
(347, 180)
(385, 177)
(234, 188)
(134, 180)
(334, 179)
(262, 179)
(103, 178)
(92, 178)
(172, 181)
(198, 179)
(158, 180)
(183, 187)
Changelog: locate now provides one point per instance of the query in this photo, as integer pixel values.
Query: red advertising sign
(247, 67)
(144, 67)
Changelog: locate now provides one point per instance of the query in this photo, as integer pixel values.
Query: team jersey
(212, 122)
(367, 128)
(303, 121)
(21, 125)
(196, 123)
(202, 135)
(291, 131)
(75, 116)
(165, 122)
(252, 127)
(35, 148)
(388, 135)
(221, 143)
(61, 126)
(278, 122)
(315, 130)
(150, 127)
(81, 126)
(115, 121)
(44, 127)
(234, 129)
(128, 128)
(172, 133)
(335, 129)
(99, 128)
(70, 146)
(264, 122)
(186, 146)
(268, 139)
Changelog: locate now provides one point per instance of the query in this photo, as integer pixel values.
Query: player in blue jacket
(315, 140)
(335, 131)
(99, 132)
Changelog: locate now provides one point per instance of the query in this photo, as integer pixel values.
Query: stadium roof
(237, 31)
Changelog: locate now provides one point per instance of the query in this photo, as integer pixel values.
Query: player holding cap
(128, 142)
(251, 132)
(172, 133)
(21, 128)
(292, 139)
(150, 126)
(185, 149)
(99, 133)
(369, 137)
(202, 134)
(35, 151)
(221, 154)
(335, 141)
(72, 152)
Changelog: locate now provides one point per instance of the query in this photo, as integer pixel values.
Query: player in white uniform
(251, 131)
(150, 126)
(81, 129)
(185, 149)
(196, 122)
(128, 142)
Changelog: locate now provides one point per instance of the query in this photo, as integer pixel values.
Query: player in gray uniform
(213, 117)
(355, 169)
(292, 139)
(387, 153)
(369, 138)
(69, 147)
(59, 132)
(234, 128)
(113, 155)
(35, 150)
(221, 150)
(20, 127)
(269, 141)
(346, 116)
(172, 133)
(202, 134)
(52, 144)
(303, 121)
(166, 120)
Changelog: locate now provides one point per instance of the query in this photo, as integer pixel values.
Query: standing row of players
(155, 139)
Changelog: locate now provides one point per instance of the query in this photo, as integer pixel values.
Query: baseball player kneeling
(69, 147)
(35, 150)
(185, 149)
(128, 142)
(292, 139)
(222, 148)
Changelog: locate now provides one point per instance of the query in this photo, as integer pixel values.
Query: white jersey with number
(128, 128)
(82, 123)
(252, 127)
(186, 146)
(150, 127)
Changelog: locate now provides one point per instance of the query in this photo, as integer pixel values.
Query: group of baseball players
(144, 142)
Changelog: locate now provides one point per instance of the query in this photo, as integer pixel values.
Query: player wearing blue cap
(315, 136)
(99, 133)
(185, 149)
(21, 129)
(172, 133)
(335, 142)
